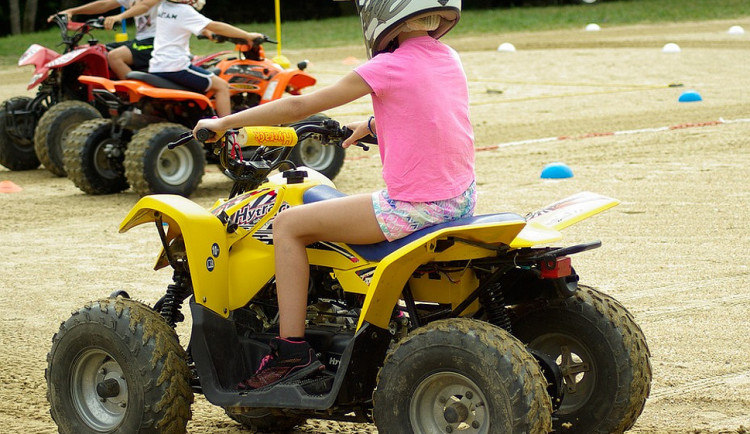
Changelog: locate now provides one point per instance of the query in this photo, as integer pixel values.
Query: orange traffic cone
(9, 187)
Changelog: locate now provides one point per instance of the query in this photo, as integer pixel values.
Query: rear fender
(205, 238)
(545, 224)
(178, 95)
(394, 270)
(135, 89)
(289, 80)
(38, 56)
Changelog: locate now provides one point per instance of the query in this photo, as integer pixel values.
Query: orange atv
(146, 112)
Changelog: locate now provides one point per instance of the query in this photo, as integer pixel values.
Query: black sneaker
(288, 361)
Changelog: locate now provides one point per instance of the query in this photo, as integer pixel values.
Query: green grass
(345, 31)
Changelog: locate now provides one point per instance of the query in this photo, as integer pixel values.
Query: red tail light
(556, 268)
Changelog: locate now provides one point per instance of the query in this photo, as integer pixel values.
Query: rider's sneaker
(289, 360)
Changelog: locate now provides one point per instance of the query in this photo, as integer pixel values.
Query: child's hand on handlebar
(214, 125)
(110, 21)
(359, 130)
(251, 36)
(65, 12)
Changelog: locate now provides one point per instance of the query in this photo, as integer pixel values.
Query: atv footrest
(318, 385)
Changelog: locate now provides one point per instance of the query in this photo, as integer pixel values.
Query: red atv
(147, 112)
(61, 100)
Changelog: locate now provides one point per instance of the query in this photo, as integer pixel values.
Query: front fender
(290, 80)
(205, 239)
(38, 56)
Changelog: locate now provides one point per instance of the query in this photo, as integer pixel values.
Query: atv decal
(210, 264)
(324, 245)
(65, 58)
(215, 250)
(366, 275)
(230, 203)
(250, 214)
(264, 234)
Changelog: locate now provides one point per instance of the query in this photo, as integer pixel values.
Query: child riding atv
(176, 21)
(134, 54)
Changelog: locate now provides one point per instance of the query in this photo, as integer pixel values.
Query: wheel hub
(108, 159)
(449, 402)
(174, 166)
(99, 390)
(316, 155)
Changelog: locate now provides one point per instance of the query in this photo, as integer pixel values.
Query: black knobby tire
(603, 355)
(152, 168)
(123, 342)
(461, 367)
(16, 153)
(88, 161)
(265, 421)
(326, 159)
(54, 126)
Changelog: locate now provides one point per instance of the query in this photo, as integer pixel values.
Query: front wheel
(116, 366)
(461, 375)
(54, 127)
(17, 149)
(93, 158)
(603, 357)
(151, 167)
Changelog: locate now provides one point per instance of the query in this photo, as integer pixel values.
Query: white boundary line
(721, 121)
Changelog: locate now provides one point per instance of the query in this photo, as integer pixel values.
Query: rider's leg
(221, 95)
(120, 60)
(349, 219)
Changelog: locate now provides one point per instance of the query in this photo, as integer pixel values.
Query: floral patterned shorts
(398, 219)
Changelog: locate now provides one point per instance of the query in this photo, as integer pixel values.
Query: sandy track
(675, 250)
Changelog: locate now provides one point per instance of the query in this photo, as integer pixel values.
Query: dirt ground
(675, 251)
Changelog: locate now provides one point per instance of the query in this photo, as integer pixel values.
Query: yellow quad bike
(472, 326)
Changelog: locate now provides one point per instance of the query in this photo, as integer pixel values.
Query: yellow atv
(473, 326)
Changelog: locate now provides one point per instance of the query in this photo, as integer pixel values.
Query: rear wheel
(116, 366)
(17, 150)
(94, 159)
(54, 127)
(603, 357)
(461, 375)
(151, 167)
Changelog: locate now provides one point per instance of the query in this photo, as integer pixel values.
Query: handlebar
(250, 171)
(221, 38)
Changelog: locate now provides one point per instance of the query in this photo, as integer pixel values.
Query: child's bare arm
(291, 109)
(139, 8)
(97, 7)
(224, 29)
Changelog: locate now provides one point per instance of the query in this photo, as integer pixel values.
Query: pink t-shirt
(421, 103)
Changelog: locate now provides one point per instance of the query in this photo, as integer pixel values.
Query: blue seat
(376, 252)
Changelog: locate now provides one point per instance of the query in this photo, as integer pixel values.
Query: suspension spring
(172, 300)
(493, 301)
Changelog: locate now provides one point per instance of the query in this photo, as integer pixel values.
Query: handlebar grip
(204, 134)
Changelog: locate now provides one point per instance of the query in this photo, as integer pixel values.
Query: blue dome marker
(556, 171)
(690, 96)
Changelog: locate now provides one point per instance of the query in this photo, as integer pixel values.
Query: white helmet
(383, 20)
